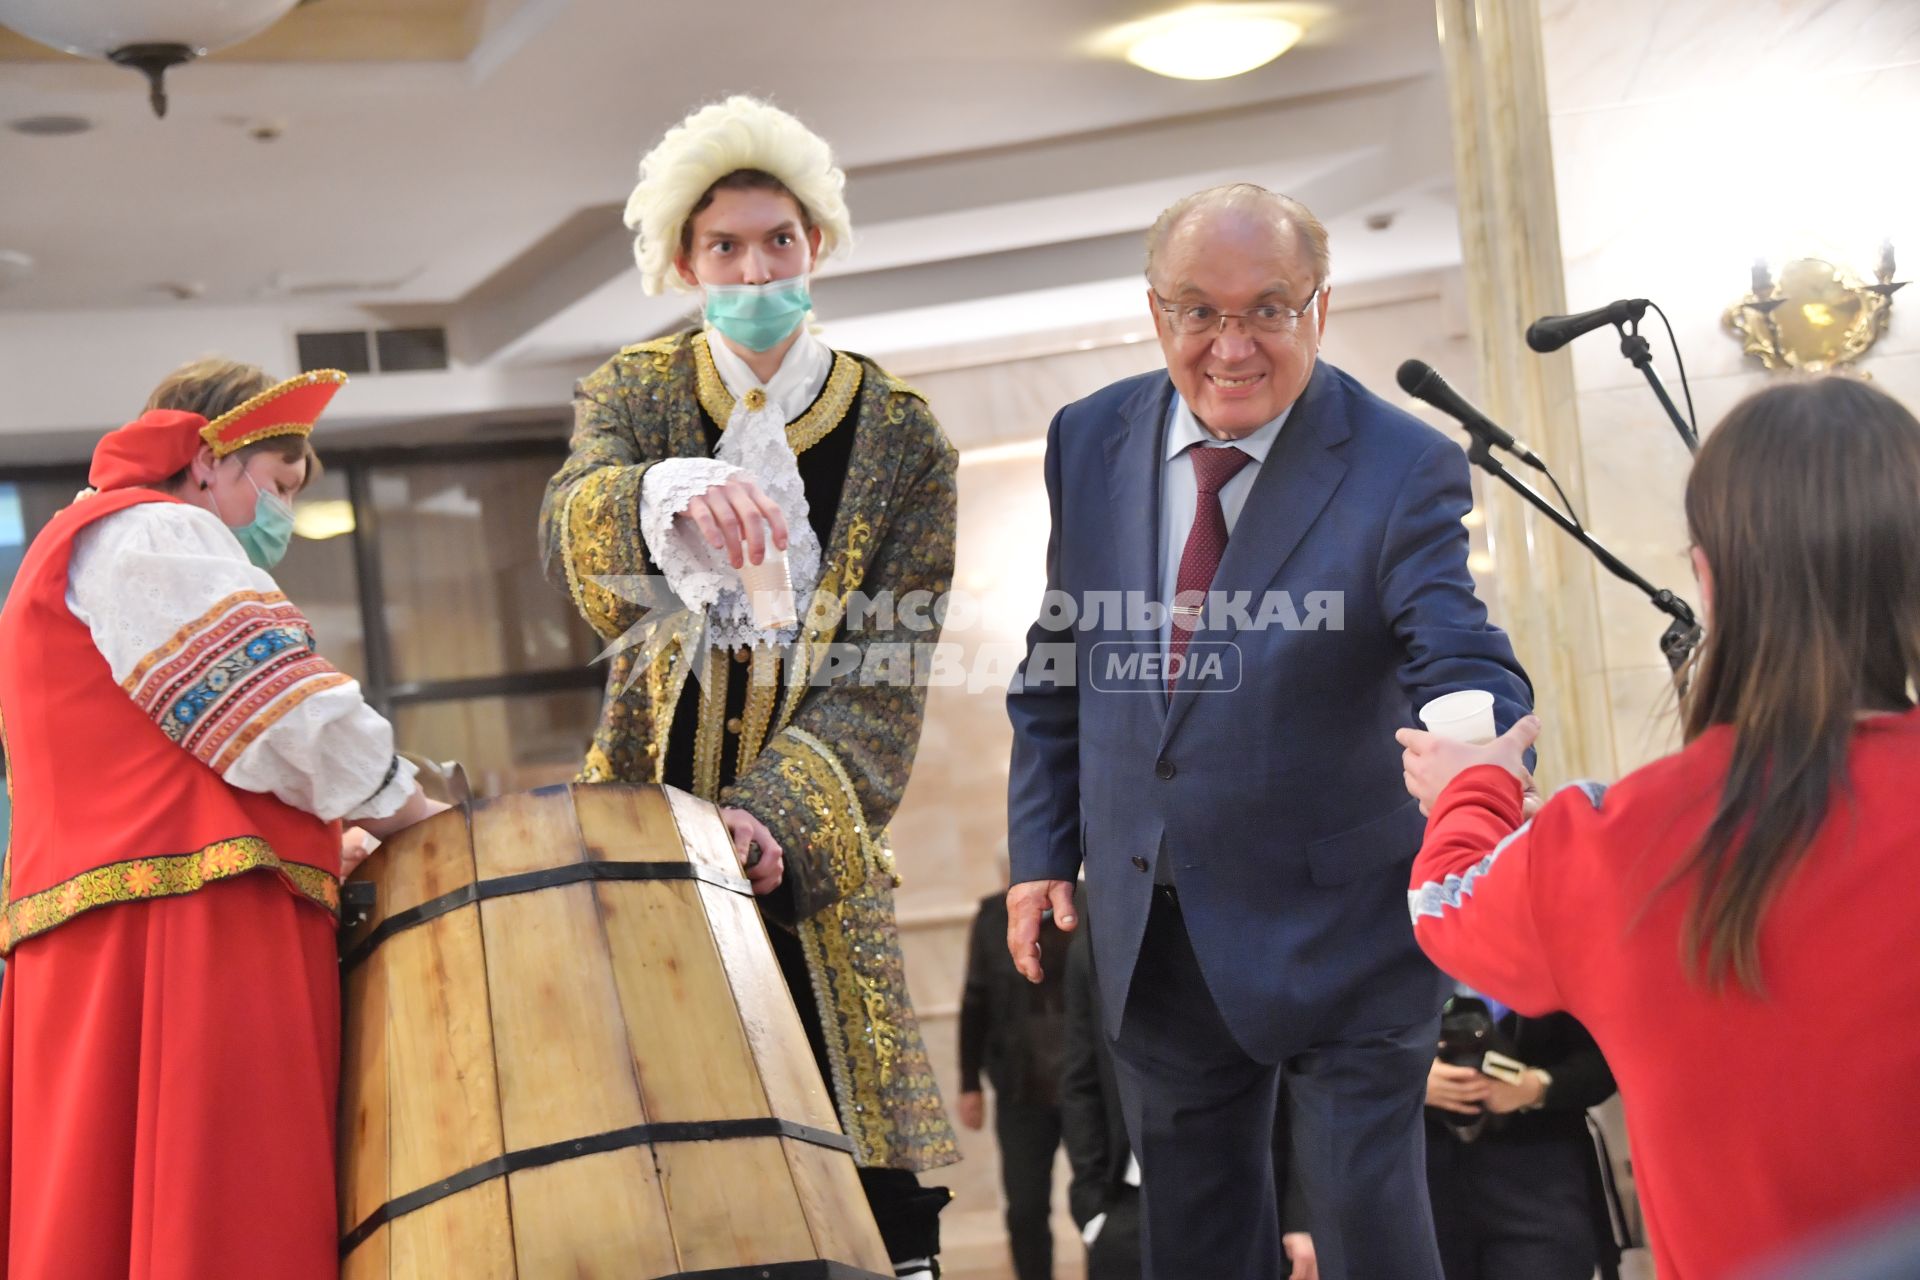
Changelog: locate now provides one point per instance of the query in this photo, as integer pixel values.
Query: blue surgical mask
(758, 316)
(266, 537)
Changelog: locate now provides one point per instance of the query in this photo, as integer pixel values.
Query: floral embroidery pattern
(223, 679)
(166, 876)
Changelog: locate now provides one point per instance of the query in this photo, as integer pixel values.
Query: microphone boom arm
(1681, 635)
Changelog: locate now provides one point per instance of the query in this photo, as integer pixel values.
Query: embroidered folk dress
(179, 758)
(820, 759)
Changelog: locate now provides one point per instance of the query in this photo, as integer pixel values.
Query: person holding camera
(1510, 1164)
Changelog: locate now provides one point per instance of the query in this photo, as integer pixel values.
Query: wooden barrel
(569, 1052)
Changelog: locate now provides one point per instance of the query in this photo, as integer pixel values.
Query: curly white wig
(716, 140)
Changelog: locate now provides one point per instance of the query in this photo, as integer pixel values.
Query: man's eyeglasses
(1193, 319)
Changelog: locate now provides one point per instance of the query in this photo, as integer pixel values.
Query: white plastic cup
(1466, 716)
(770, 591)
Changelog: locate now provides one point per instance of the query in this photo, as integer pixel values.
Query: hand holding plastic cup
(1466, 716)
(769, 591)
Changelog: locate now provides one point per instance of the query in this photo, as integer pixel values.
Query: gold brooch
(756, 400)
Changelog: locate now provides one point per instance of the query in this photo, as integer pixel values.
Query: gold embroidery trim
(652, 346)
(898, 387)
(587, 534)
(866, 1056)
(165, 876)
(597, 768)
(211, 432)
(873, 844)
(714, 396)
(824, 612)
(708, 741)
(265, 433)
(763, 691)
(866, 1129)
(666, 679)
(828, 410)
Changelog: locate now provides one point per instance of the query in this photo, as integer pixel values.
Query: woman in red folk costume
(180, 760)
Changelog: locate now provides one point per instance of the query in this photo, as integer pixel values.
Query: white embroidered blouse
(208, 646)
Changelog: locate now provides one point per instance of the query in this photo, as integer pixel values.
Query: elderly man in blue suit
(1224, 767)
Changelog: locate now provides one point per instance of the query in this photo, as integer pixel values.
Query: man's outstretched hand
(1025, 905)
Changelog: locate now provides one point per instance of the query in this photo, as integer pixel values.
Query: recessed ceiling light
(50, 126)
(1209, 41)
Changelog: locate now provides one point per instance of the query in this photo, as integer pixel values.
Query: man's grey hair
(1245, 196)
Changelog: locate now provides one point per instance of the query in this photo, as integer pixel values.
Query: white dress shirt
(795, 385)
(1180, 494)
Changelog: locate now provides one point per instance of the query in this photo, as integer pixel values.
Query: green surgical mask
(758, 316)
(266, 537)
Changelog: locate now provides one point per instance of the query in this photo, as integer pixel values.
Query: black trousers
(1029, 1134)
(1512, 1210)
(1200, 1114)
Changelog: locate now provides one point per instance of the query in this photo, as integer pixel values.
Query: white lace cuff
(683, 557)
(396, 787)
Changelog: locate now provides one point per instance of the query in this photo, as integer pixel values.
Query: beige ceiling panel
(337, 31)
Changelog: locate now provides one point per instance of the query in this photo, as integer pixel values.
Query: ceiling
(341, 31)
(1000, 176)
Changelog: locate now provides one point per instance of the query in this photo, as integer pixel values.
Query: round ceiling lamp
(1209, 41)
(148, 37)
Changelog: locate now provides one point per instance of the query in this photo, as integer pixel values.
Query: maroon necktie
(1206, 542)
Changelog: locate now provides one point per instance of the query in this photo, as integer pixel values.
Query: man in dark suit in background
(1105, 1194)
(1244, 828)
(1012, 1031)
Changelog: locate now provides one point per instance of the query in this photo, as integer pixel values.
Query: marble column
(1510, 242)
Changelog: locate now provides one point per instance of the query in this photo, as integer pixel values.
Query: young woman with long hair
(1734, 923)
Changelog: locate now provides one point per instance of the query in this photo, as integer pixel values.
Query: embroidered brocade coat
(822, 762)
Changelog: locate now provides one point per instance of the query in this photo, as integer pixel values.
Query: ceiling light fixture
(323, 518)
(148, 37)
(1209, 41)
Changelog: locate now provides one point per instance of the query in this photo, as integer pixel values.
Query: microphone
(1419, 379)
(1550, 333)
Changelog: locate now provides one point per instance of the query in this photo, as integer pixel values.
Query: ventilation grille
(373, 351)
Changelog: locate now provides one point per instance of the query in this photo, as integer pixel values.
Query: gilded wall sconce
(1814, 315)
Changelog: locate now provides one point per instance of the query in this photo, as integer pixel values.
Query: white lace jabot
(755, 441)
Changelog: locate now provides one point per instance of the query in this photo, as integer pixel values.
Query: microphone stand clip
(1639, 353)
(1682, 634)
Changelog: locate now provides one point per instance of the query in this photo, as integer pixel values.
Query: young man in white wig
(722, 448)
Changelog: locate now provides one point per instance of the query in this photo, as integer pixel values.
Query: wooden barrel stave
(469, 1234)
(608, 1004)
(782, 1058)
(619, 1192)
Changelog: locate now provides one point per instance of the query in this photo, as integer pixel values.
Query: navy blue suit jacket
(1272, 780)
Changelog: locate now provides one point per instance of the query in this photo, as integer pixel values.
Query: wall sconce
(1813, 315)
